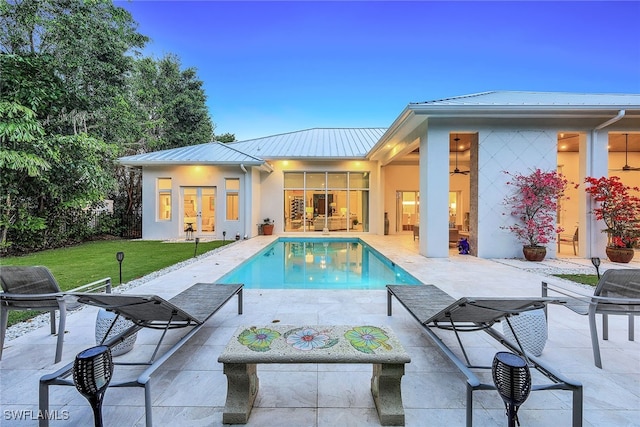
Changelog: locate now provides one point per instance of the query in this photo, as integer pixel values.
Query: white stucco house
(440, 166)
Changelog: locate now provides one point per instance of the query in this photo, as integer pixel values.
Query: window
(332, 200)
(232, 188)
(164, 199)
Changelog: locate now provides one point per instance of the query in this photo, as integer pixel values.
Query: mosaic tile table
(252, 345)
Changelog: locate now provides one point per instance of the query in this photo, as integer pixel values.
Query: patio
(190, 389)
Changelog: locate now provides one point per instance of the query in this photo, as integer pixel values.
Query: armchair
(617, 293)
(35, 288)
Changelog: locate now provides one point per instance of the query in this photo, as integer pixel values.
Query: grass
(78, 265)
(585, 279)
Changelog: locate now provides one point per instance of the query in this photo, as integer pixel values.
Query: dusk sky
(277, 67)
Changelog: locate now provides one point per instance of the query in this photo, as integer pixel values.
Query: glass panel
(232, 184)
(359, 210)
(208, 209)
(407, 209)
(232, 206)
(294, 210)
(164, 199)
(337, 180)
(164, 206)
(359, 180)
(453, 208)
(164, 183)
(316, 180)
(294, 180)
(190, 209)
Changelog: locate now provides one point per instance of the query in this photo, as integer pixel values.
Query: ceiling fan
(457, 171)
(626, 167)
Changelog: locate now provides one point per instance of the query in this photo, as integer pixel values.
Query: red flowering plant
(618, 208)
(534, 203)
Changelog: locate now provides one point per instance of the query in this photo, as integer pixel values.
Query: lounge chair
(435, 309)
(35, 288)
(617, 293)
(191, 308)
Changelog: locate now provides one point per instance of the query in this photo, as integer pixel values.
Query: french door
(198, 211)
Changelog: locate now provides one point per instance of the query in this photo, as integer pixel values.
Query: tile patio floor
(190, 389)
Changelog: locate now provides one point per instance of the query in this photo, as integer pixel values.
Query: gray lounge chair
(435, 309)
(617, 293)
(35, 288)
(190, 308)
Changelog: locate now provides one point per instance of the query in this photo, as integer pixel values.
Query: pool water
(294, 263)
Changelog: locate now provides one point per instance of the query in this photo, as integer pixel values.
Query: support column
(594, 161)
(242, 389)
(434, 193)
(387, 393)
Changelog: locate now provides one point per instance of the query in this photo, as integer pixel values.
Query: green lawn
(87, 262)
(586, 279)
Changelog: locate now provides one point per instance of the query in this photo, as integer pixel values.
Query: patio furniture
(92, 373)
(251, 345)
(617, 293)
(435, 309)
(190, 308)
(569, 238)
(35, 288)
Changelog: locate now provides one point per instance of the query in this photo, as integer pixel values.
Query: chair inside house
(569, 238)
(617, 293)
(416, 232)
(34, 288)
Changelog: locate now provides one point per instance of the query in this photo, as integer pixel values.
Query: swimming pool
(298, 263)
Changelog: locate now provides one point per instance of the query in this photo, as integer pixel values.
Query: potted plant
(267, 227)
(620, 211)
(534, 203)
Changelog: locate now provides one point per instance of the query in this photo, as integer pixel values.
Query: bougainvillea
(534, 203)
(618, 208)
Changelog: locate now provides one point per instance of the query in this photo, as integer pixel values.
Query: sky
(277, 67)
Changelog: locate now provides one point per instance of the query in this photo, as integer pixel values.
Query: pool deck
(190, 389)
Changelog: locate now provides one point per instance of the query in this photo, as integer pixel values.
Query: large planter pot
(531, 330)
(534, 253)
(267, 229)
(103, 323)
(623, 255)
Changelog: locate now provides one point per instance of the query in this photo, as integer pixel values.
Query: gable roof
(518, 98)
(212, 153)
(317, 143)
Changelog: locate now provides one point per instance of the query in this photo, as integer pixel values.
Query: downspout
(246, 196)
(590, 224)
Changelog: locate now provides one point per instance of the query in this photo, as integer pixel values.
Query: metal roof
(516, 98)
(213, 153)
(317, 143)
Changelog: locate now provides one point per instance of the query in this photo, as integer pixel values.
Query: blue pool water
(294, 263)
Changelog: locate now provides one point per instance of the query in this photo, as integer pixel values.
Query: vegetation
(87, 262)
(534, 204)
(75, 94)
(585, 279)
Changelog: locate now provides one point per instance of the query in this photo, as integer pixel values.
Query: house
(440, 165)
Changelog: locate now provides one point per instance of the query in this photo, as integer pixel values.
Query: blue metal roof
(214, 153)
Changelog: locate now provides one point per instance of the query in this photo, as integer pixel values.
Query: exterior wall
(272, 188)
(515, 151)
(192, 176)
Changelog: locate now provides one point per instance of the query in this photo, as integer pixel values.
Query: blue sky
(276, 67)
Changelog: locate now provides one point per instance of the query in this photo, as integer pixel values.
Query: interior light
(563, 147)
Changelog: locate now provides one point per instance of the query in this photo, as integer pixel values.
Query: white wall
(191, 176)
(516, 151)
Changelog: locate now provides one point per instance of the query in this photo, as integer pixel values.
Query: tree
(23, 159)
(225, 137)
